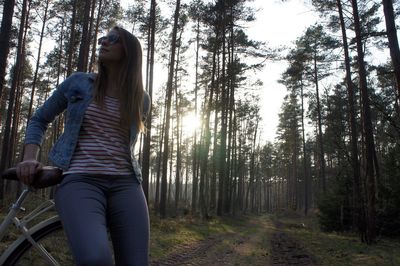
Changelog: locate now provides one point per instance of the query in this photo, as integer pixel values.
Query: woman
(102, 180)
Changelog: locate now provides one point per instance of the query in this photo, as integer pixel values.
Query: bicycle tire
(46, 233)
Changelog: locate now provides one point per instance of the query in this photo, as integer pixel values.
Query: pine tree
(163, 199)
(5, 35)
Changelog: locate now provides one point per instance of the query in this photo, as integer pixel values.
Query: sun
(190, 123)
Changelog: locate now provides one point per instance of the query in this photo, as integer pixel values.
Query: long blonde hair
(129, 81)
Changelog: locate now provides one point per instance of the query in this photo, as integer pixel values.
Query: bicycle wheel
(50, 235)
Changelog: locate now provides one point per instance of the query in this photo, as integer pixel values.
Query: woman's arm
(46, 114)
(36, 129)
(29, 165)
(146, 106)
(31, 152)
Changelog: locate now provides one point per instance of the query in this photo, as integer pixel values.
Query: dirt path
(286, 251)
(260, 242)
(194, 253)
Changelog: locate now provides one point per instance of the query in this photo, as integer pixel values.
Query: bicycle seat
(46, 177)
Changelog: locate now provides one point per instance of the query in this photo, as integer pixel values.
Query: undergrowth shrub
(334, 208)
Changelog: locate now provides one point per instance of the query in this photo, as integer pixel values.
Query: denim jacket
(75, 95)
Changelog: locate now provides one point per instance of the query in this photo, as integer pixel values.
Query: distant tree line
(347, 166)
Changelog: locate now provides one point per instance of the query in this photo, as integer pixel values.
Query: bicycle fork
(21, 224)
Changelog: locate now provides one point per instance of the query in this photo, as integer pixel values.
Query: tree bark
(205, 147)
(320, 138)
(19, 88)
(5, 35)
(358, 213)
(391, 32)
(196, 87)
(6, 151)
(163, 210)
(38, 61)
(84, 46)
(147, 140)
(92, 35)
(304, 151)
(159, 162)
(96, 31)
(60, 52)
(178, 126)
(72, 39)
(222, 149)
(370, 163)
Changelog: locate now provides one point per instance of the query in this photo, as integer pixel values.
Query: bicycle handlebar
(46, 177)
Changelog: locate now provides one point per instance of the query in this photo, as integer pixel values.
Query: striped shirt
(103, 145)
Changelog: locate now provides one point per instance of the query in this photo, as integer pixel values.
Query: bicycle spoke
(55, 244)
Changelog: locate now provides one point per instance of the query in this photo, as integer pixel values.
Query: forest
(337, 148)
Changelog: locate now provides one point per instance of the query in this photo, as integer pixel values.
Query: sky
(276, 24)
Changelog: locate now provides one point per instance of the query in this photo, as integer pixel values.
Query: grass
(243, 240)
(249, 239)
(340, 248)
(167, 234)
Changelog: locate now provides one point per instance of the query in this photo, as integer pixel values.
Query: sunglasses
(111, 39)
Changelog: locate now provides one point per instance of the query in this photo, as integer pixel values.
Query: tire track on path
(259, 242)
(286, 251)
(184, 254)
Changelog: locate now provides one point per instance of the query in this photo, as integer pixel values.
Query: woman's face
(111, 49)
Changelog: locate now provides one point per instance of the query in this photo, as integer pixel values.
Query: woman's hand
(27, 169)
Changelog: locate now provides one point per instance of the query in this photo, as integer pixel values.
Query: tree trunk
(16, 115)
(178, 125)
(252, 169)
(215, 158)
(84, 46)
(205, 147)
(60, 53)
(370, 163)
(159, 163)
(229, 115)
(92, 35)
(196, 87)
(304, 151)
(71, 47)
(38, 61)
(391, 32)
(170, 169)
(358, 205)
(234, 166)
(185, 193)
(163, 210)
(222, 186)
(96, 31)
(241, 186)
(19, 93)
(320, 139)
(147, 140)
(6, 150)
(5, 35)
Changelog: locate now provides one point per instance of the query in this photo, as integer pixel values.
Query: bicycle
(45, 242)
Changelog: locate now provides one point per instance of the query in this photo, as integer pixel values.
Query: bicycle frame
(21, 224)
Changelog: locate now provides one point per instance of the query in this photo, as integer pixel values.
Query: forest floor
(262, 240)
(267, 240)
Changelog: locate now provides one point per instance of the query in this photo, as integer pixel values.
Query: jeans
(89, 204)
